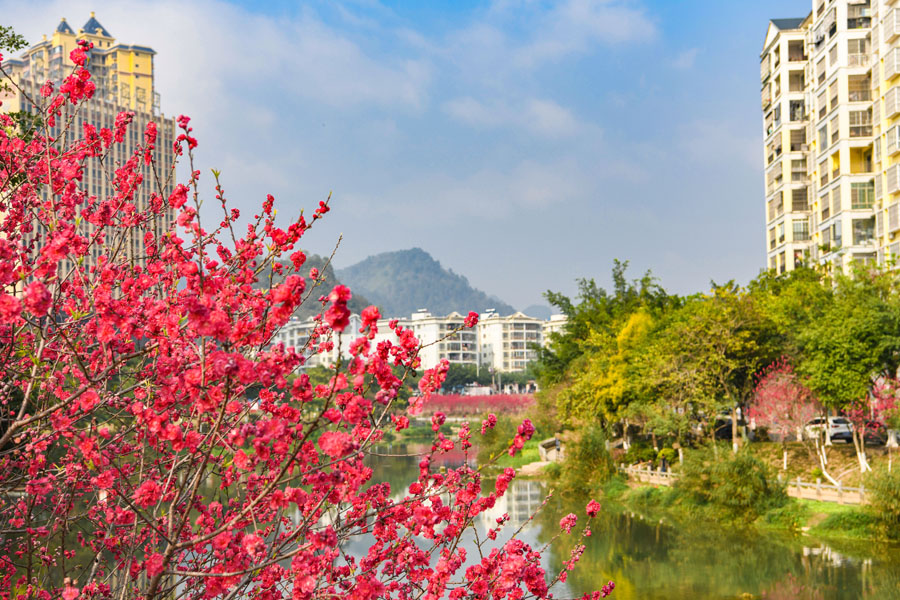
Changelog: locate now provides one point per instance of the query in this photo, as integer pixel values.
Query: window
(823, 137)
(798, 140)
(835, 130)
(863, 231)
(800, 199)
(836, 234)
(860, 123)
(780, 233)
(798, 170)
(836, 205)
(833, 92)
(859, 15)
(801, 230)
(833, 55)
(797, 110)
(820, 70)
(859, 88)
(862, 195)
(857, 46)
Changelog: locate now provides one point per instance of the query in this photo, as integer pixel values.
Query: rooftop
(788, 23)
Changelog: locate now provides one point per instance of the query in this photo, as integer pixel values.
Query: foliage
(856, 339)
(133, 461)
(460, 375)
(639, 453)
(884, 501)
(740, 487)
(587, 463)
(597, 316)
(404, 281)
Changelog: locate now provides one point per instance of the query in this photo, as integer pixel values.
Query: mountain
(538, 310)
(402, 282)
(327, 282)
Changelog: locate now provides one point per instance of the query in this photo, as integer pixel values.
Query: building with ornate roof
(124, 78)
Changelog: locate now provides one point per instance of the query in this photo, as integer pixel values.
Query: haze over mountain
(327, 281)
(402, 282)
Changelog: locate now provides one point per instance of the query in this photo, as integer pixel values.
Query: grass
(528, 454)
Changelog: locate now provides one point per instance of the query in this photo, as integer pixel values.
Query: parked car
(839, 428)
(876, 433)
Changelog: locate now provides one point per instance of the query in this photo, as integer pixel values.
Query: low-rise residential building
(295, 334)
(502, 344)
(556, 324)
(507, 344)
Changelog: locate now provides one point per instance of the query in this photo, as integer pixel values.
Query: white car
(839, 428)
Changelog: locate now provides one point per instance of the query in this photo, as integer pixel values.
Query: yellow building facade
(823, 91)
(124, 79)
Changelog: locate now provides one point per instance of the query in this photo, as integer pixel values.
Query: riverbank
(825, 520)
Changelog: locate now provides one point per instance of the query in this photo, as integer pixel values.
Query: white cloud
(538, 116)
(211, 51)
(686, 59)
(489, 193)
(575, 26)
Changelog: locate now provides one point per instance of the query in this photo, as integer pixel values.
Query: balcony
(892, 145)
(891, 29)
(766, 96)
(892, 63)
(892, 102)
(796, 52)
(764, 70)
(893, 179)
(858, 60)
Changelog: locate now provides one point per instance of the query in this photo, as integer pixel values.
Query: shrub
(639, 453)
(587, 463)
(457, 405)
(884, 502)
(740, 487)
(669, 454)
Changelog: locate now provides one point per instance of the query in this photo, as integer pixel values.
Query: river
(650, 559)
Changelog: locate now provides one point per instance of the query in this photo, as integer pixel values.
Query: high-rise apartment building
(824, 78)
(124, 79)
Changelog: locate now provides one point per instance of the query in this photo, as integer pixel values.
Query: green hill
(402, 282)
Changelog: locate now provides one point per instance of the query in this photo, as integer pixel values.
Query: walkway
(796, 488)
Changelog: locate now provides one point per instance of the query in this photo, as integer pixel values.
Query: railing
(858, 60)
(892, 102)
(891, 26)
(795, 488)
(892, 63)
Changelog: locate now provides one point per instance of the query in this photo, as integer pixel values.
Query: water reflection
(654, 560)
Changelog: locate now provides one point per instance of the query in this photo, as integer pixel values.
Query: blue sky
(523, 144)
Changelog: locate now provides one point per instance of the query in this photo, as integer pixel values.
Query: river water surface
(652, 560)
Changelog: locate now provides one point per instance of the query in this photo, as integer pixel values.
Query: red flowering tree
(868, 415)
(782, 404)
(133, 461)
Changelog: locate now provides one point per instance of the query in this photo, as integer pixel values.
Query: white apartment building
(828, 105)
(295, 334)
(556, 324)
(506, 343)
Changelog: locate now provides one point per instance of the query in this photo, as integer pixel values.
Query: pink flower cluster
(161, 440)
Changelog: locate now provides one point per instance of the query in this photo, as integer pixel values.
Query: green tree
(856, 340)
